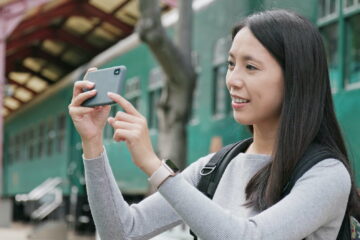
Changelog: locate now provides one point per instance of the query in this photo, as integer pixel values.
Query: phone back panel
(106, 80)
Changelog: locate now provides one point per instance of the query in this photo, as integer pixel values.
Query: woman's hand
(89, 122)
(130, 126)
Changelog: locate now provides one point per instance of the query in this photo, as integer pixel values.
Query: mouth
(239, 102)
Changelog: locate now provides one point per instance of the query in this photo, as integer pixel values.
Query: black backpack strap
(313, 155)
(345, 229)
(212, 172)
(214, 169)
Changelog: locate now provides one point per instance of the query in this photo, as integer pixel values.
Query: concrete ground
(59, 231)
(48, 231)
(15, 232)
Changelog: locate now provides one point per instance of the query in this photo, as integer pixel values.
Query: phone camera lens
(117, 71)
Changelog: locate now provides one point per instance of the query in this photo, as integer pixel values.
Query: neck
(264, 139)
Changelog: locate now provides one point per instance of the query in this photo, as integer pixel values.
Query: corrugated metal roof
(56, 38)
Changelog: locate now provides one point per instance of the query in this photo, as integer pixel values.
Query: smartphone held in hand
(106, 80)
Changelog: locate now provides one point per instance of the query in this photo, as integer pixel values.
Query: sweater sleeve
(318, 197)
(114, 218)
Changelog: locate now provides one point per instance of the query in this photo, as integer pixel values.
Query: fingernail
(110, 93)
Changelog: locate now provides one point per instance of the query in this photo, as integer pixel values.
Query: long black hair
(307, 113)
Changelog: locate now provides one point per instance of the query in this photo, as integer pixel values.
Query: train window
(221, 50)
(195, 104)
(352, 59)
(154, 98)
(332, 6)
(17, 147)
(133, 91)
(328, 9)
(156, 84)
(109, 130)
(330, 37)
(195, 59)
(23, 145)
(32, 140)
(61, 132)
(10, 149)
(221, 97)
(135, 101)
(51, 134)
(196, 94)
(322, 8)
(349, 3)
(41, 140)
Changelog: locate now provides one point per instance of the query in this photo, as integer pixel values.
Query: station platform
(59, 231)
(15, 232)
(48, 231)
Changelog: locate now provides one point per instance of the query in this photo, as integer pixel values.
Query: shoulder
(329, 168)
(329, 176)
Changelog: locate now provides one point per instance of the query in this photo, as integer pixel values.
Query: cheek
(270, 94)
(275, 99)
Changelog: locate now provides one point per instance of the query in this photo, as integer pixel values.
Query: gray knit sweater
(313, 210)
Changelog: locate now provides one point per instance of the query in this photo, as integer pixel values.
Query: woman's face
(254, 75)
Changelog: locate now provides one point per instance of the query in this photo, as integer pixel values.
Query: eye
(230, 64)
(250, 67)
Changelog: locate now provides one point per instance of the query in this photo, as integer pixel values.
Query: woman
(278, 80)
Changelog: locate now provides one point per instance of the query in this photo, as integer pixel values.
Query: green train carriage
(41, 142)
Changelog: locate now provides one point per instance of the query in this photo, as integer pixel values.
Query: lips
(238, 102)
(239, 99)
(238, 105)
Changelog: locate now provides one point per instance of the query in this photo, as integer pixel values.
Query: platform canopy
(54, 39)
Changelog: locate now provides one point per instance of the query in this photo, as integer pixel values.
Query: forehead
(245, 44)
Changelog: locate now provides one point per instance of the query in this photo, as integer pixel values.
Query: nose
(234, 79)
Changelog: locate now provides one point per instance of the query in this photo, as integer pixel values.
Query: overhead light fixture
(11, 103)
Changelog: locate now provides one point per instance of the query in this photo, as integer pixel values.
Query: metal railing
(44, 199)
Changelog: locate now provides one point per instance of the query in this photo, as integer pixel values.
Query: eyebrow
(246, 58)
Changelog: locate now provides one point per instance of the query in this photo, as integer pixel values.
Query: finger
(123, 116)
(122, 135)
(77, 101)
(89, 70)
(123, 125)
(73, 111)
(126, 105)
(80, 85)
(110, 120)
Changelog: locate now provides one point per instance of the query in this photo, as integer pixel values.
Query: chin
(243, 121)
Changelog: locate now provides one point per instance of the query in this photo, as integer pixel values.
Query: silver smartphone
(106, 80)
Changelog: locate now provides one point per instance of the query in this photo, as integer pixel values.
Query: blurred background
(46, 45)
